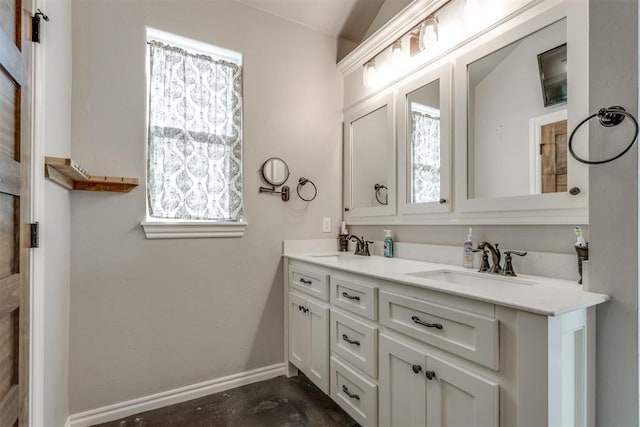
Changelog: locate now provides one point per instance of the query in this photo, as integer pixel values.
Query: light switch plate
(326, 224)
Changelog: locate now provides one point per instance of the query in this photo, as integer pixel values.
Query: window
(194, 151)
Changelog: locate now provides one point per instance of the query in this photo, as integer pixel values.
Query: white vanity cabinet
(395, 353)
(308, 325)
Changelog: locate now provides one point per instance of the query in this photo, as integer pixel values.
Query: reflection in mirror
(424, 150)
(370, 162)
(275, 171)
(517, 138)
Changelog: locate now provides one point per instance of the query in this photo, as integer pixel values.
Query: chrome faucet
(362, 245)
(495, 256)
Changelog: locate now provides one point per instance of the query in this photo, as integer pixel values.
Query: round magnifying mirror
(275, 171)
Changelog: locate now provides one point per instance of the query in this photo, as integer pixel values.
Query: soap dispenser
(388, 244)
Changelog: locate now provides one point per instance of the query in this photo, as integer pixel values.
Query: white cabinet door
(297, 331)
(318, 344)
(403, 385)
(420, 390)
(456, 397)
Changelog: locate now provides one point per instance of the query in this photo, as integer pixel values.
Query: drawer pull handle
(346, 295)
(416, 369)
(430, 374)
(303, 308)
(306, 282)
(345, 390)
(346, 338)
(417, 320)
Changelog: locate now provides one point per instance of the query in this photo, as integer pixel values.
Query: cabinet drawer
(355, 394)
(468, 335)
(355, 297)
(356, 342)
(309, 281)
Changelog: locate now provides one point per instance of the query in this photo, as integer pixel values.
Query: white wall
(55, 121)
(613, 211)
(149, 316)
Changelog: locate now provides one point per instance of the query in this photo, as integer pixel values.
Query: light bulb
(429, 37)
(397, 56)
(370, 73)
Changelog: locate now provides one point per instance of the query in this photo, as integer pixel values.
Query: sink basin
(334, 257)
(470, 279)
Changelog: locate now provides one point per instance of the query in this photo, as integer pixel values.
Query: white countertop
(540, 295)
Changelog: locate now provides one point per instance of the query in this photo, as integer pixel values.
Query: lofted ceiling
(347, 20)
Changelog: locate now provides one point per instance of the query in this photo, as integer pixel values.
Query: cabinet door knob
(306, 282)
(346, 295)
(416, 369)
(430, 374)
(442, 201)
(417, 320)
(346, 338)
(345, 390)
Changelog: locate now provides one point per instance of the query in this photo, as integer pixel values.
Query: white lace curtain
(195, 136)
(426, 158)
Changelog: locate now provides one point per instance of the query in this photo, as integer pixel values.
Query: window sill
(192, 229)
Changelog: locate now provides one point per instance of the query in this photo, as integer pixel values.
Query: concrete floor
(279, 401)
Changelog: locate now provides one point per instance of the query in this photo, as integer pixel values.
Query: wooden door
(553, 149)
(297, 331)
(318, 344)
(403, 385)
(456, 397)
(15, 143)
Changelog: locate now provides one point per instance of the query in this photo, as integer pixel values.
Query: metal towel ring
(608, 117)
(379, 187)
(301, 183)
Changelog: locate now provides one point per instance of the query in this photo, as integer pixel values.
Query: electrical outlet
(326, 224)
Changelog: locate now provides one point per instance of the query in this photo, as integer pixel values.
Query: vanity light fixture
(370, 74)
(429, 36)
(397, 55)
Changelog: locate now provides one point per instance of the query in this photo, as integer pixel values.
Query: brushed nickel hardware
(495, 256)
(345, 390)
(346, 338)
(417, 320)
(362, 246)
(508, 266)
(484, 264)
(353, 297)
(378, 188)
(608, 117)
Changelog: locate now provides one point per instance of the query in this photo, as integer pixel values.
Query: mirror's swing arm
(285, 192)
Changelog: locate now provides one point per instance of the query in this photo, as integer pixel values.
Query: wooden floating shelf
(72, 176)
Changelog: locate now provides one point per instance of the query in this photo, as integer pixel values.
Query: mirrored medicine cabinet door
(424, 143)
(369, 165)
(515, 101)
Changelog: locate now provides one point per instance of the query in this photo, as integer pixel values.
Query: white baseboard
(178, 395)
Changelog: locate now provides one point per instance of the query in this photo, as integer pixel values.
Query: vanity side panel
(531, 356)
(290, 370)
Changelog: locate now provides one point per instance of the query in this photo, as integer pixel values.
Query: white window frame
(163, 228)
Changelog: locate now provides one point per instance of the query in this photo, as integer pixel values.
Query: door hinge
(35, 235)
(35, 25)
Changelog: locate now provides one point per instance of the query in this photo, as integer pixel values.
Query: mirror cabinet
(370, 161)
(424, 143)
(481, 131)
